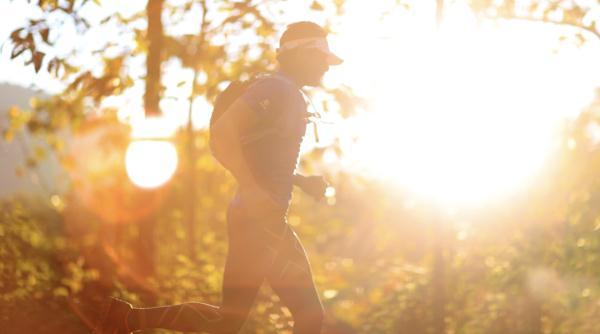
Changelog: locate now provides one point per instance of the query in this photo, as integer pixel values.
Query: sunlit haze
(447, 180)
(466, 115)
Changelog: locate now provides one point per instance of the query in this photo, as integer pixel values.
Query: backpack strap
(313, 117)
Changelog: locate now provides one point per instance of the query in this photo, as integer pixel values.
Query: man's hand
(314, 186)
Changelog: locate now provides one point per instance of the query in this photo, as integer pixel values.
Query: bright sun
(467, 114)
(150, 163)
(151, 158)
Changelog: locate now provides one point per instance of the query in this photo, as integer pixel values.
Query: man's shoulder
(273, 92)
(275, 84)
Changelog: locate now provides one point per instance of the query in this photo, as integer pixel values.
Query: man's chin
(315, 82)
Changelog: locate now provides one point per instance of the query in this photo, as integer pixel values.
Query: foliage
(528, 266)
(577, 14)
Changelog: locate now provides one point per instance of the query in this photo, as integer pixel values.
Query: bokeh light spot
(150, 163)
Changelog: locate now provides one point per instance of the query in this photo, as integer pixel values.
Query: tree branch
(543, 20)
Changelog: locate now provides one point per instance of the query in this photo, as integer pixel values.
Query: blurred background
(460, 137)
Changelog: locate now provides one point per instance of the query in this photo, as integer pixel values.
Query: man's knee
(230, 324)
(318, 314)
(313, 313)
(230, 327)
(309, 321)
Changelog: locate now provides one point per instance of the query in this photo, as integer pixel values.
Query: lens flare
(150, 163)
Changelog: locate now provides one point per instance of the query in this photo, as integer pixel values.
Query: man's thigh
(246, 265)
(290, 276)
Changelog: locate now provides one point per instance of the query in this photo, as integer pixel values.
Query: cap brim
(332, 59)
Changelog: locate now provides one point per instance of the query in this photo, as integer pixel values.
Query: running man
(263, 130)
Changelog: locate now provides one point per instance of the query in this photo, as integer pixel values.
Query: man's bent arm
(228, 126)
(298, 179)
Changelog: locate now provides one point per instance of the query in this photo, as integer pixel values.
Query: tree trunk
(153, 61)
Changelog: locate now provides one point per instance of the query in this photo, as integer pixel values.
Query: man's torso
(272, 145)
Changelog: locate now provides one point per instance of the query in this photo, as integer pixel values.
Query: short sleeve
(266, 97)
(277, 105)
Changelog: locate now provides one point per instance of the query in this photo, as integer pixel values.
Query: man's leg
(241, 282)
(291, 278)
(245, 270)
(181, 317)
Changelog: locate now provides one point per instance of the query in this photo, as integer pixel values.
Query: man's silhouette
(261, 132)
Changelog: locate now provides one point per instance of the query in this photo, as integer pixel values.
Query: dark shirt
(272, 145)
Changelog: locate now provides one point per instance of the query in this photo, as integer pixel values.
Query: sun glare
(466, 114)
(150, 163)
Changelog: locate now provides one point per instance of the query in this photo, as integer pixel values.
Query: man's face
(313, 65)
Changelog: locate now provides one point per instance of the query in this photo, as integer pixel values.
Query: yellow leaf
(61, 292)
(34, 102)
(8, 136)
(14, 111)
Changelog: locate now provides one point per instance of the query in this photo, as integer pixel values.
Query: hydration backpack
(223, 101)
